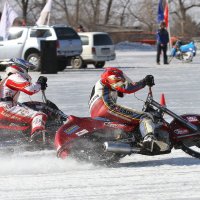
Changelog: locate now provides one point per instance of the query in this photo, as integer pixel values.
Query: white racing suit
(10, 111)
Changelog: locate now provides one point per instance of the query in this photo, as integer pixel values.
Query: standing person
(17, 80)
(162, 42)
(103, 104)
(80, 28)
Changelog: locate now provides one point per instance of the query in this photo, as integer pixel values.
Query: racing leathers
(11, 111)
(103, 101)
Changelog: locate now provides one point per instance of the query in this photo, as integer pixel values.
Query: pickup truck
(24, 42)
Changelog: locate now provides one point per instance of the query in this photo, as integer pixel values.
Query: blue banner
(160, 16)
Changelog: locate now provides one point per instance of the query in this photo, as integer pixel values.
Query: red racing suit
(103, 100)
(10, 89)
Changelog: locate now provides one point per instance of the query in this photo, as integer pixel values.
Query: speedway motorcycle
(17, 135)
(184, 53)
(105, 142)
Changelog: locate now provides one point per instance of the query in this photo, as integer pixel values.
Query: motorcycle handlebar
(44, 96)
(58, 112)
(150, 92)
(189, 125)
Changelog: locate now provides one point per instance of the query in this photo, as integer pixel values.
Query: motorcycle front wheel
(191, 147)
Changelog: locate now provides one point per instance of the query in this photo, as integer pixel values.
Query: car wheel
(99, 64)
(77, 62)
(34, 58)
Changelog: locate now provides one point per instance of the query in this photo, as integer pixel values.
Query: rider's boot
(39, 136)
(151, 144)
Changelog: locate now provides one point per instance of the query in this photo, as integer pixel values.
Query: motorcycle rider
(113, 84)
(17, 80)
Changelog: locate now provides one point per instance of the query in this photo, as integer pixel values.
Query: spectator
(162, 42)
(80, 28)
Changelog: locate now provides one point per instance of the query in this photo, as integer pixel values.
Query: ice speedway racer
(16, 135)
(106, 142)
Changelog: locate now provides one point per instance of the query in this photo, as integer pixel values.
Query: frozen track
(41, 176)
(35, 176)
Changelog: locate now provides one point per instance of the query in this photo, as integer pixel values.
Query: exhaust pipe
(118, 147)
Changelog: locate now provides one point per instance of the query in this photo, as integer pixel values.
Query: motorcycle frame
(193, 129)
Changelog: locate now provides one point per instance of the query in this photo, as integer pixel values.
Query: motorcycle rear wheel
(90, 149)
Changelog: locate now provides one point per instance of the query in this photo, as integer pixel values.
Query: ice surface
(41, 176)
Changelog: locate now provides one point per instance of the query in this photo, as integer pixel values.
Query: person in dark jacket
(162, 42)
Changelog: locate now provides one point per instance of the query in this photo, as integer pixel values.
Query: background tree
(182, 19)
(95, 14)
(145, 12)
(23, 4)
(108, 11)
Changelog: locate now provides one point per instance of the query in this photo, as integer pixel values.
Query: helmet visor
(23, 64)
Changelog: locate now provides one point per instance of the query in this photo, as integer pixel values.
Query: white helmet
(16, 65)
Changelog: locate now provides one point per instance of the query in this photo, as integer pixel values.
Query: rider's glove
(42, 80)
(120, 94)
(149, 80)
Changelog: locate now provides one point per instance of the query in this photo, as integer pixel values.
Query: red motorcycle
(16, 135)
(104, 141)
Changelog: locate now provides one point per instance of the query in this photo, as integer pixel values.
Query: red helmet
(112, 76)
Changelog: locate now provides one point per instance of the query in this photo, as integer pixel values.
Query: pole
(48, 18)
(44, 96)
(168, 28)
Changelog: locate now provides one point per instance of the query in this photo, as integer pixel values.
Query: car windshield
(102, 39)
(63, 33)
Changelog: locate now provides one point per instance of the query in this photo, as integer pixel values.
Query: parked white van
(97, 49)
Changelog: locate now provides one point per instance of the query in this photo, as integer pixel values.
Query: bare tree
(95, 4)
(92, 13)
(145, 12)
(124, 5)
(63, 5)
(77, 11)
(23, 4)
(28, 7)
(107, 15)
(181, 11)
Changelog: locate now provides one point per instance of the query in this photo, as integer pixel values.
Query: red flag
(166, 15)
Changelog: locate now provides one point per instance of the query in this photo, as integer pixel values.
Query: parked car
(97, 49)
(24, 42)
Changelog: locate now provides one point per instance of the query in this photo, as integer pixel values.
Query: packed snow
(42, 176)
